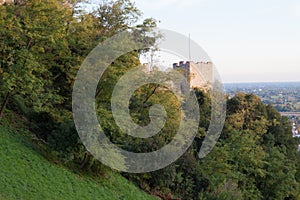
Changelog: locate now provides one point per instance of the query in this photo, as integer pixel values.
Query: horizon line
(261, 82)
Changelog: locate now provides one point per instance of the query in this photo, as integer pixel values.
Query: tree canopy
(42, 46)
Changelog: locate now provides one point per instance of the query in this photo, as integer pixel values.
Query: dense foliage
(255, 158)
(42, 46)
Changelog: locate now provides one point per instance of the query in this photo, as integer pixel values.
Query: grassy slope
(25, 174)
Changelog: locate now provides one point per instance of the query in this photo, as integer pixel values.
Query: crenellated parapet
(184, 67)
(198, 74)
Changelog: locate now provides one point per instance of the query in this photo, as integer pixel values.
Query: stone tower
(198, 74)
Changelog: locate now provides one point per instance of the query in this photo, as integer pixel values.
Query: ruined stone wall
(198, 74)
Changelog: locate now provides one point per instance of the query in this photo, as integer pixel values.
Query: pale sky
(249, 41)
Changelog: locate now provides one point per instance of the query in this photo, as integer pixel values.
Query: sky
(248, 41)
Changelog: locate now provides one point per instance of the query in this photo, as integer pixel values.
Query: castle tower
(198, 74)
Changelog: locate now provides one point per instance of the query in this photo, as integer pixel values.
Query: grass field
(25, 174)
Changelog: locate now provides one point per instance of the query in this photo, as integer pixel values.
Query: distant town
(285, 97)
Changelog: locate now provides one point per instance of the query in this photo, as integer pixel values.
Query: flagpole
(190, 59)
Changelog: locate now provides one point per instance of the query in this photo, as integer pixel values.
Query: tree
(33, 35)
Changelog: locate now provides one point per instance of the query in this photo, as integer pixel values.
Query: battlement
(198, 74)
(182, 64)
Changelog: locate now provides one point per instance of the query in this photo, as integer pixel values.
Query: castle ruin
(199, 75)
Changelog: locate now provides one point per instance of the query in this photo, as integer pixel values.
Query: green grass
(25, 174)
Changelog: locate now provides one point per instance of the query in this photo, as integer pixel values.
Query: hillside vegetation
(43, 44)
(25, 174)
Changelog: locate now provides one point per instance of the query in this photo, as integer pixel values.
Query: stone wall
(198, 74)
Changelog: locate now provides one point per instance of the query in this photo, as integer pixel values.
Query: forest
(43, 44)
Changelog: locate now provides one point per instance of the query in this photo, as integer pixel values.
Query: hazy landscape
(82, 116)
